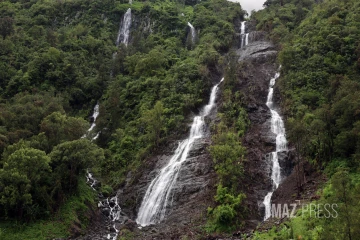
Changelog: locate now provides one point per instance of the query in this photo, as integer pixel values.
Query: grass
(74, 210)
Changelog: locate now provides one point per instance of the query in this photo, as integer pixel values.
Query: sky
(249, 5)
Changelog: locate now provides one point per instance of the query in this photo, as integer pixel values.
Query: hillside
(178, 119)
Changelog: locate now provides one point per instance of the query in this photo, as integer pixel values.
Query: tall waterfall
(124, 31)
(193, 33)
(277, 127)
(153, 206)
(244, 36)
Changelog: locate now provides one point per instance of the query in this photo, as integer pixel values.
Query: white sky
(249, 5)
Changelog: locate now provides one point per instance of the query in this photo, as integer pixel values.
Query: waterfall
(90, 179)
(193, 33)
(243, 28)
(113, 209)
(155, 201)
(277, 127)
(124, 30)
(94, 116)
(93, 124)
(244, 36)
(111, 206)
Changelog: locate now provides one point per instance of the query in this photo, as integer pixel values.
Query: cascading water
(93, 124)
(108, 206)
(124, 31)
(242, 33)
(155, 201)
(112, 209)
(123, 34)
(193, 33)
(277, 127)
(244, 36)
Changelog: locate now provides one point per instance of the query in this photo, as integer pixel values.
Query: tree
(345, 195)
(59, 128)
(6, 26)
(69, 161)
(24, 180)
(154, 120)
(228, 155)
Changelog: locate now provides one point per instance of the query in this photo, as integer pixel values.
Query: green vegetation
(162, 77)
(228, 155)
(320, 85)
(336, 220)
(73, 211)
(57, 61)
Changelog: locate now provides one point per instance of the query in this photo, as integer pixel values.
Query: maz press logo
(313, 210)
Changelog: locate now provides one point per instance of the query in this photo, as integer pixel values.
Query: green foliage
(24, 180)
(21, 115)
(69, 160)
(280, 17)
(343, 192)
(228, 155)
(59, 128)
(158, 81)
(35, 184)
(320, 87)
(76, 208)
(6, 26)
(154, 121)
(320, 80)
(227, 151)
(225, 217)
(56, 62)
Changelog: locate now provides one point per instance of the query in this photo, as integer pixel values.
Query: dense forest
(58, 59)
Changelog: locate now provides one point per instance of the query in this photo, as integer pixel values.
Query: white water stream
(246, 39)
(124, 30)
(155, 201)
(277, 127)
(244, 36)
(93, 124)
(108, 205)
(193, 33)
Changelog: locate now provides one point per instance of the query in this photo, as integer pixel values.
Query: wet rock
(130, 224)
(106, 212)
(286, 163)
(250, 26)
(255, 36)
(259, 51)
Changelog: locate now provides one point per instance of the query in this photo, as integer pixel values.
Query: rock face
(257, 63)
(258, 51)
(254, 77)
(195, 177)
(190, 197)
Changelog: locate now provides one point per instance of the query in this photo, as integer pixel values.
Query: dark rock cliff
(258, 64)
